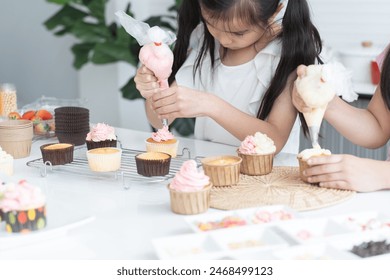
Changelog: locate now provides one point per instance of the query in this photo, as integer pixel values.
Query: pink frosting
(248, 146)
(189, 179)
(20, 196)
(101, 132)
(162, 134)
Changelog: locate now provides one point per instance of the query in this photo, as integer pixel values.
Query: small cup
(222, 170)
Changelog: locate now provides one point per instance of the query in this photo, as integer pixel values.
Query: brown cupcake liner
(153, 167)
(256, 165)
(57, 156)
(190, 203)
(71, 110)
(100, 144)
(73, 138)
(72, 130)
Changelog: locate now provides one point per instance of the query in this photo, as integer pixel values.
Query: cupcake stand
(122, 215)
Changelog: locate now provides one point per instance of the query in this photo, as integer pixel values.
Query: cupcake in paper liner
(57, 153)
(190, 190)
(222, 170)
(153, 163)
(23, 206)
(104, 159)
(101, 135)
(6, 164)
(163, 141)
(257, 153)
(304, 155)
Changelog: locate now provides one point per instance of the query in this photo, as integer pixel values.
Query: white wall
(39, 63)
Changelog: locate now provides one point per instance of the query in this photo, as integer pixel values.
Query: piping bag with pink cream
(155, 53)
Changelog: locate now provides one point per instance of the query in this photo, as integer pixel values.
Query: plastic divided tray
(128, 169)
(277, 232)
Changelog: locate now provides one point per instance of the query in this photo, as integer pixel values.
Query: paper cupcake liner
(256, 165)
(153, 167)
(104, 162)
(163, 148)
(190, 203)
(17, 149)
(302, 167)
(24, 221)
(57, 156)
(100, 144)
(72, 138)
(225, 174)
(71, 110)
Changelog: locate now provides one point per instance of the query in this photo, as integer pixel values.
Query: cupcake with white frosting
(190, 190)
(305, 155)
(6, 163)
(257, 152)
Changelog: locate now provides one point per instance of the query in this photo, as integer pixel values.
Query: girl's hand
(179, 102)
(296, 98)
(146, 82)
(348, 172)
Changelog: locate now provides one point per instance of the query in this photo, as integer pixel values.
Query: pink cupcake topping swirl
(162, 134)
(101, 132)
(20, 196)
(259, 144)
(189, 179)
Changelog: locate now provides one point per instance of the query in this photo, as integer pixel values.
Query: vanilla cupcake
(222, 170)
(305, 155)
(162, 141)
(57, 153)
(257, 153)
(104, 159)
(153, 164)
(190, 190)
(6, 163)
(23, 206)
(101, 135)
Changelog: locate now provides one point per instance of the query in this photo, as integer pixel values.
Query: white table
(117, 223)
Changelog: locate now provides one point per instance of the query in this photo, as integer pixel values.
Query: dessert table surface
(90, 217)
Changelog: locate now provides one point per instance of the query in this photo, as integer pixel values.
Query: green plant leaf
(184, 126)
(129, 91)
(108, 52)
(67, 16)
(60, 2)
(81, 54)
(90, 32)
(98, 8)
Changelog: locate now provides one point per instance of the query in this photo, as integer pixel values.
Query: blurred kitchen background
(40, 64)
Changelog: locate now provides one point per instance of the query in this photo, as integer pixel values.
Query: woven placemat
(281, 186)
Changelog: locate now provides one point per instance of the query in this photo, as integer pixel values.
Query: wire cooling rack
(128, 170)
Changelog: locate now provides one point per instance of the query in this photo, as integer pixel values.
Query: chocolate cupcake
(57, 153)
(153, 163)
(101, 135)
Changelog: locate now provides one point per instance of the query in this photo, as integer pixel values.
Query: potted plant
(99, 42)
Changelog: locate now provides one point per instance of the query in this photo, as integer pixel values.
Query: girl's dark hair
(301, 42)
(385, 79)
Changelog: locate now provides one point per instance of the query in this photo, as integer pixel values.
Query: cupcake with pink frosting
(257, 152)
(101, 135)
(23, 206)
(162, 141)
(190, 190)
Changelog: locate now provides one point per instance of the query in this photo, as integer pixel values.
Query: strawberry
(14, 116)
(44, 114)
(28, 115)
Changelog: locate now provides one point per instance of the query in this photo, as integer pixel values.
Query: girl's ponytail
(385, 79)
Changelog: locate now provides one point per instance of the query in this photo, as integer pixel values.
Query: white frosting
(308, 153)
(6, 163)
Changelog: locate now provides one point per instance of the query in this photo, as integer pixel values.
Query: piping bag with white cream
(155, 53)
(317, 86)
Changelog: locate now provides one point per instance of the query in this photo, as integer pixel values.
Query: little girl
(234, 70)
(369, 128)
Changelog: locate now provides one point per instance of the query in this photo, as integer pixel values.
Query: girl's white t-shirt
(243, 86)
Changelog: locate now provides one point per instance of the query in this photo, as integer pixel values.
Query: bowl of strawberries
(42, 119)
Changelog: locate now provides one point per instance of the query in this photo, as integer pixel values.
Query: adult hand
(146, 82)
(347, 172)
